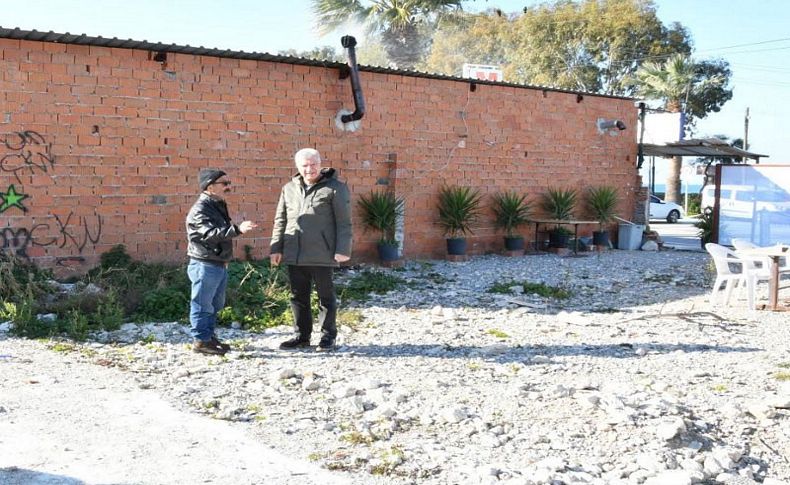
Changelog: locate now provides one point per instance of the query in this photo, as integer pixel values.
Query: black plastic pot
(558, 239)
(388, 252)
(514, 243)
(601, 238)
(456, 246)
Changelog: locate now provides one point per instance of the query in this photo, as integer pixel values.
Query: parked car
(668, 211)
(741, 201)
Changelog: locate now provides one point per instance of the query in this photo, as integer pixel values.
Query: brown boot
(207, 347)
(214, 340)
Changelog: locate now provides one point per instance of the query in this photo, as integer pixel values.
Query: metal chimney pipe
(349, 43)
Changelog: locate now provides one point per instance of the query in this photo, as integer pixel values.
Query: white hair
(307, 154)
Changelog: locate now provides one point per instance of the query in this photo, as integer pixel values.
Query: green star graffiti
(12, 199)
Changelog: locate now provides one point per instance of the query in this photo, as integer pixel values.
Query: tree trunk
(673, 180)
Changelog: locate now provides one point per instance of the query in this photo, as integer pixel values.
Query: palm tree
(401, 24)
(675, 82)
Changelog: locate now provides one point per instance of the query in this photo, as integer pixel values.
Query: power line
(747, 45)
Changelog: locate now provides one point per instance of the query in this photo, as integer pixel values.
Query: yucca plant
(511, 211)
(602, 202)
(380, 212)
(459, 207)
(559, 203)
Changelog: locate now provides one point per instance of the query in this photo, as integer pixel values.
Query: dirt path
(64, 422)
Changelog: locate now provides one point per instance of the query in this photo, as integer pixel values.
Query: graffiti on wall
(72, 233)
(28, 152)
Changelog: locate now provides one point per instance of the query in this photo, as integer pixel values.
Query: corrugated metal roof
(704, 147)
(83, 39)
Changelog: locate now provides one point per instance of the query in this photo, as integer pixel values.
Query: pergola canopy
(703, 147)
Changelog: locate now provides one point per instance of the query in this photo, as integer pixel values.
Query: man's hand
(341, 258)
(247, 226)
(275, 258)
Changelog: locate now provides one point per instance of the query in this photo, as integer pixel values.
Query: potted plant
(380, 212)
(511, 211)
(558, 205)
(602, 202)
(705, 226)
(459, 207)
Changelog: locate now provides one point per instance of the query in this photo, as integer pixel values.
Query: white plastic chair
(723, 258)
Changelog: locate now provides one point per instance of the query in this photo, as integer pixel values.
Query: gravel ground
(633, 378)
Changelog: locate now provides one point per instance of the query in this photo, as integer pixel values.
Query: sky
(752, 35)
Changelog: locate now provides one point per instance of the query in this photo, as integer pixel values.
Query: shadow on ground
(20, 476)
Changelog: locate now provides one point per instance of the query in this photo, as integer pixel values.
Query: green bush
(363, 284)
(163, 304)
(257, 295)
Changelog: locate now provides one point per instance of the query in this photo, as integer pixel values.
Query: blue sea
(692, 188)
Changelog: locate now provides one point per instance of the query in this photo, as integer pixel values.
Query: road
(681, 235)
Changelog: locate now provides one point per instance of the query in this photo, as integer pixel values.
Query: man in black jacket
(210, 236)
(312, 235)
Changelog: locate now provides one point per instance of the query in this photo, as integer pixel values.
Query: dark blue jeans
(301, 279)
(208, 297)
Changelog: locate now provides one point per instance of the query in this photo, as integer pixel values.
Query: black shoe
(207, 347)
(294, 343)
(214, 340)
(325, 345)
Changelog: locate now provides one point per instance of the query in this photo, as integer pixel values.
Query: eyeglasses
(224, 183)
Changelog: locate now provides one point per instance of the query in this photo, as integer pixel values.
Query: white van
(742, 201)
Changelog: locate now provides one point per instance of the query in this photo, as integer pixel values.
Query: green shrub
(77, 325)
(163, 304)
(23, 314)
(541, 289)
(366, 282)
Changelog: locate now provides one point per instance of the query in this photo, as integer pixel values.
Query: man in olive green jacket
(312, 235)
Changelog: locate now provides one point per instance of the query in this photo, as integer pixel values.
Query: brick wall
(101, 146)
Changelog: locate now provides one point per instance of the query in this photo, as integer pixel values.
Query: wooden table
(559, 222)
(774, 253)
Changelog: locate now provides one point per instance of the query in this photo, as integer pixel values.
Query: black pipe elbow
(349, 44)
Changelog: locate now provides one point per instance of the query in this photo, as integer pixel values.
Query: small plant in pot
(602, 202)
(458, 207)
(511, 211)
(380, 212)
(558, 205)
(705, 226)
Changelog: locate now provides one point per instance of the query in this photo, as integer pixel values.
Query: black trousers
(301, 279)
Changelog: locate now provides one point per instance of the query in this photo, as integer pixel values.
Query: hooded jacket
(312, 224)
(210, 232)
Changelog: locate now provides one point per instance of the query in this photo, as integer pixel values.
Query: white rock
(669, 429)
(712, 466)
(285, 373)
(775, 481)
(371, 384)
(670, 477)
(761, 410)
(650, 246)
(776, 401)
(455, 415)
(437, 310)
(494, 349)
(341, 390)
(311, 383)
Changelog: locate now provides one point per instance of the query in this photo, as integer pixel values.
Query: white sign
(483, 72)
(660, 128)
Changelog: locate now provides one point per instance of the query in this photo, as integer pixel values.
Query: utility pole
(746, 132)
